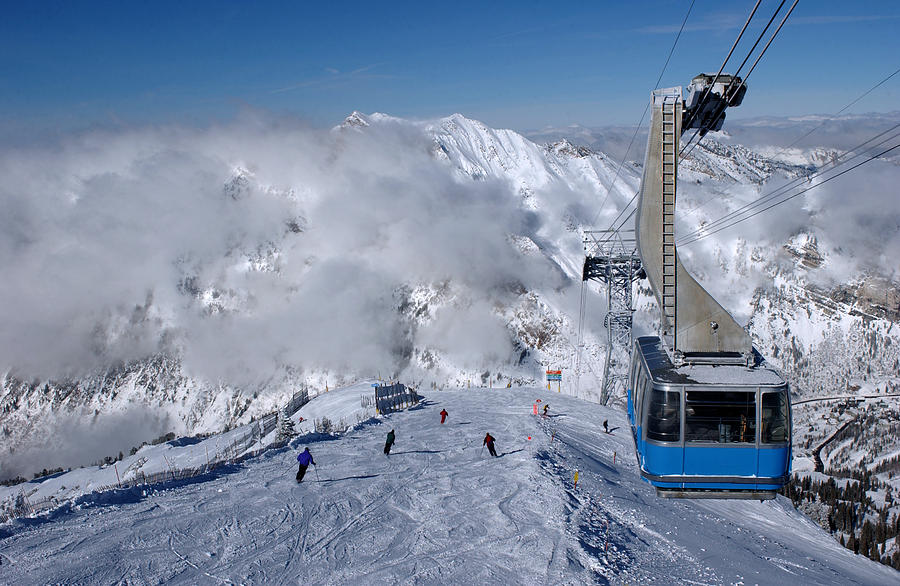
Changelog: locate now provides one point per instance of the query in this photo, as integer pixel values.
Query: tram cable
(756, 213)
(732, 92)
(582, 312)
(703, 99)
(820, 125)
(705, 95)
(643, 115)
(758, 39)
(839, 112)
(860, 150)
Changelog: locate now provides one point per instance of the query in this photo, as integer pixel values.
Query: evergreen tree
(285, 427)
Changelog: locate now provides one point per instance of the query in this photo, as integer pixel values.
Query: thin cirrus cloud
(334, 78)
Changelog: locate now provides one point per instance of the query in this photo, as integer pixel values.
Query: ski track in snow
(439, 509)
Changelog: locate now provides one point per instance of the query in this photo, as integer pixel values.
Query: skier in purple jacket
(305, 459)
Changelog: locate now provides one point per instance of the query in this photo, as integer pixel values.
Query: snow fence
(240, 448)
(389, 398)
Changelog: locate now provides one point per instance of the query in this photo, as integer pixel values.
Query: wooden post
(169, 464)
(118, 480)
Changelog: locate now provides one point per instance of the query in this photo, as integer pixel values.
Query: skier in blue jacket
(305, 459)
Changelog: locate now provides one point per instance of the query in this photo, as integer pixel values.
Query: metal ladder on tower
(669, 174)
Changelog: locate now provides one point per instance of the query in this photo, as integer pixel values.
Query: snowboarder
(547, 406)
(489, 442)
(443, 415)
(305, 459)
(606, 425)
(389, 442)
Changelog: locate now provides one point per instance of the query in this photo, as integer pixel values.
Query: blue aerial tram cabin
(709, 418)
(705, 430)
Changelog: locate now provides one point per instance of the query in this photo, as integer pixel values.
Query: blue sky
(521, 65)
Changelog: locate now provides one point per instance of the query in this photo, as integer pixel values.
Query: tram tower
(695, 328)
(611, 257)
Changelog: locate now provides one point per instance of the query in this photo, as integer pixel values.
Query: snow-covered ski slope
(439, 509)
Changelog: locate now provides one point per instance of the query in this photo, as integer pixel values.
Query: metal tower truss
(611, 258)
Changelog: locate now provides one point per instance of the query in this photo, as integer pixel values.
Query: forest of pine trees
(851, 512)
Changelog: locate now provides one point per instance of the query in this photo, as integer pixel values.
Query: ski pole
(316, 470)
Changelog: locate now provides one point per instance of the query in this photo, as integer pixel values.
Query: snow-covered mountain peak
(564, 147)
(355, 120)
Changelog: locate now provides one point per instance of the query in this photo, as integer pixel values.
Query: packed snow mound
(344, 408)
(437, 510)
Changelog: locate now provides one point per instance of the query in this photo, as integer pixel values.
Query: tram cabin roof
(663, 371)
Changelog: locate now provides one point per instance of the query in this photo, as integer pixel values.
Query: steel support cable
(736, 73)
(758, 39)
(716, 78)
(746, 77)
(619, 168)
(759, 201)
(872, 158)
(746, 210)
(633, 212)
(785, 188)
(839, 112)
(837, 163)
(582, 313)
(766, 48)
(643, 115)
(684, 155)
(779, 152)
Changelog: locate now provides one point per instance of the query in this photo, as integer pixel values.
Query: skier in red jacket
(443, 415)
(489, 442)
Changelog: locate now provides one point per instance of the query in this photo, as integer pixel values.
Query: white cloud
(105, 236)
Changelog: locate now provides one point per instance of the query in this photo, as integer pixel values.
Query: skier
(606, 425)
(305, 459)
(389, 442)
(547, 406)
(443, 415)
(489, 442)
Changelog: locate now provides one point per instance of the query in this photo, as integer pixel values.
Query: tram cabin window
(664, 416)
(720, 416)
(774, 418)
(640, 391)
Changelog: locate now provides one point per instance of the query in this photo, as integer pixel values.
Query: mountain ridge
(521, 306)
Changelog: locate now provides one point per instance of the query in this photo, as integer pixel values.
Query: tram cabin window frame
(643, 382)
(770, 432)
(716, 416)
(663, 423)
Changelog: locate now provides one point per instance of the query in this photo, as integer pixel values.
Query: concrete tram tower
(694, 327)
